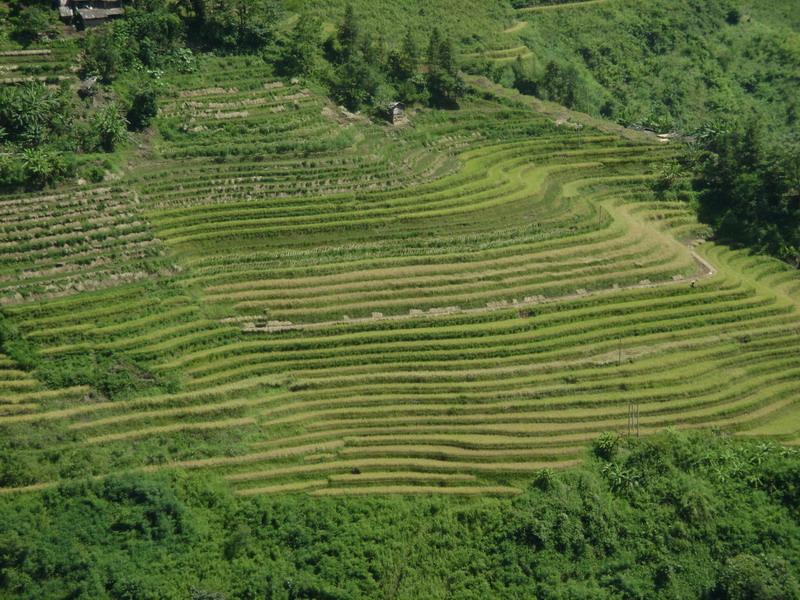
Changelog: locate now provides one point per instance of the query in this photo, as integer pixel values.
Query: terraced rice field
(349, 308)
(50, 64)
(505, 55)
(73, 240)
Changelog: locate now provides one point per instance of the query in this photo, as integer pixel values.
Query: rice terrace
(261, 281)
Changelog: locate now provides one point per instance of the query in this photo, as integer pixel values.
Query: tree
(42, 167)
(151, 33)
(355, 82)
(748, 192)
(11, 171)
(238, 26)
(605, 446)
(526, 77)
(349, 32)
(443, 81)
(403, 65)
(748, 577)
(255, 20)
(106, 54)
(143, 108)
(33, 23)
(196, 8)
(145, 38)
(358, 76)
(733, 17)
(446, 57)
(560, 84)
(404, 62)
(31, 113)
(235, 26)
(302, 53)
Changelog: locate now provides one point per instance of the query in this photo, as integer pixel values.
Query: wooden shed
(396, 113)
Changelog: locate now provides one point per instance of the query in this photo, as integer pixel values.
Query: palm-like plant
(39, 166)
(110, 127)
(28, 112)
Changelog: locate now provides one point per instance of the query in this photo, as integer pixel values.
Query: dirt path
(518, 26)
(548, 7)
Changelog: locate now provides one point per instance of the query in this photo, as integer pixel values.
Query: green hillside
(665, 64)
(257, 340)
(471, 22)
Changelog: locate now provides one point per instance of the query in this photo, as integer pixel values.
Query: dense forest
(667, 66)
(674, 516)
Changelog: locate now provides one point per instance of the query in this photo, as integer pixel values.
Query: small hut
(396, 113)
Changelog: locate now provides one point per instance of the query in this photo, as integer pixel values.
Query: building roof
(92, 14)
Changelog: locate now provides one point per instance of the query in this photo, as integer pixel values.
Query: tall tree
(349, 32)
(444, 81)
(302, 52)
(239, 26)
(404, 62)
(749, 192)
(434, 47)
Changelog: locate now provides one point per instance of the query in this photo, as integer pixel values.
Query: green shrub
(42, 167)
(112, 374)
(93, 172)
(33, 23)
(574, 538)
(109, 127)
(748, 577)
(15, 346)
(143, 109)
(605, 446)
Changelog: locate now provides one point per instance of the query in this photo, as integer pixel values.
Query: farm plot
(355, 309)
(250, 138)
(61, 243)
(50, 64)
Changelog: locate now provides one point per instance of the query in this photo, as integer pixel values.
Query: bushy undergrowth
(677, 515)
(112, 374)
(664, 65)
